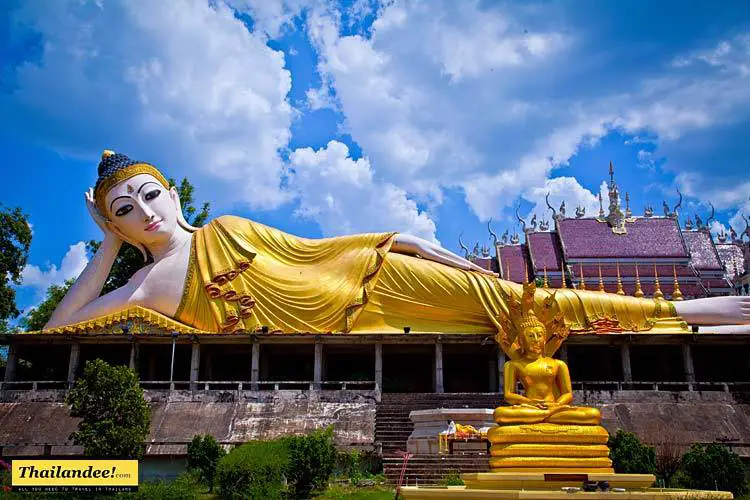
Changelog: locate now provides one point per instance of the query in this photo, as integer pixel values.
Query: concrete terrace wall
(33, 427)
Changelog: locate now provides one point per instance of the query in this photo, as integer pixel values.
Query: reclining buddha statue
(234, 275)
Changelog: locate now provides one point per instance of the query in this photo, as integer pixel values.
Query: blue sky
(325, 118)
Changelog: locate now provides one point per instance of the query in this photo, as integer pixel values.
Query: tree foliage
(115, 416)
(38, 316)
(630, 456)
(129, 259)
(204, 453)
(712, 467)
(312, 459)
(255, 470)
(15, 240)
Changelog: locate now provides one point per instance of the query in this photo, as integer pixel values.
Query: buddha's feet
(527, 414)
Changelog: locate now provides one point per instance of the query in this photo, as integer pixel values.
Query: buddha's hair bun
(111, 162)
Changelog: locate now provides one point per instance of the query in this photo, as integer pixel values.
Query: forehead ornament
(115, 168)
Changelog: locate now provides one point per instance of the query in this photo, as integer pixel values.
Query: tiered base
(549, 448)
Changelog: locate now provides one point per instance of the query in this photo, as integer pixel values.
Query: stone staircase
(393, 427)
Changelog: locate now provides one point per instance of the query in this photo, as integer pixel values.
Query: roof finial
(545, 284)
(554, 212)
(563, 284)
(523, 222)
(601, 205)
(658, 294)
(582, 283)
(492, 233)
(638, 290)
(620, 291)
(711, 217)
(611, 173)
(628, 213)
(601, 281)
(675, 213)
(463, 247)
(676, 293)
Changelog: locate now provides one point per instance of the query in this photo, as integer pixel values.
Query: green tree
(130, 260)
(630, 456)
(38, 316)
(115, 416)
(15, 240)
(204, 453)
(711, 467)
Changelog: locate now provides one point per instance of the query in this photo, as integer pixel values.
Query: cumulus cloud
(182, 84)
(342, 195)
(40, 278)
(568, 190)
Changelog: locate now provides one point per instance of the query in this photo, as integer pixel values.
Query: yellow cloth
(244, 275)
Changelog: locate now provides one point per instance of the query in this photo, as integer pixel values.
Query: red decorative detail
(246, 312)
(231, 295)
(247, 301)
(606, 325)
(213, 290)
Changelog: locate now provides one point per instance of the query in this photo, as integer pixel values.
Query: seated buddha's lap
(526, 414)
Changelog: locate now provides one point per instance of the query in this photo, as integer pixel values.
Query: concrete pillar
(379, 366)
(500, 370)
(255, 367)
(438, 379)
(687, 361)
(318, 365)
(627, 372)
(133, 364)
(75, 356)
(195, 365)
(10, 365)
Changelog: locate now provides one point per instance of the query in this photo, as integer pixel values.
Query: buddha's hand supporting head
(136, 203)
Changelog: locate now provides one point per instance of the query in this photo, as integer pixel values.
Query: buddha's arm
(564, 385)
(87, 287)
(510, 377)
(411, 245)
(734, 310)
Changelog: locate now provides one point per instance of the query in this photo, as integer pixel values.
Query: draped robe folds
(244, 275)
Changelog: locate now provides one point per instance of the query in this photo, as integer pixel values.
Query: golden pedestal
(549, 448)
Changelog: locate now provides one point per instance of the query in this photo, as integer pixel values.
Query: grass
(342, 492)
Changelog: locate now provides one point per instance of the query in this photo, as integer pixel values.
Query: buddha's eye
(152, 194)
(123, 210)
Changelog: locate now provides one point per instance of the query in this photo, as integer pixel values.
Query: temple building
(619, 252)
(242, 386)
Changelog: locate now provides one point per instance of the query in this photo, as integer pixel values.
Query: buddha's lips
(153, 225)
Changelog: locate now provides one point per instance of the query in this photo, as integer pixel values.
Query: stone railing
(619, 386)
(210, 385)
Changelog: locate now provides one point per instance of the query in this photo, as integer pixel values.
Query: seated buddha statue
(546, 381)
(237, 275)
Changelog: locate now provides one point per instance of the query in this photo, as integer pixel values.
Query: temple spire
(582, 283)
(638, 290)
(658, 294)
(601, 281)
(676, 293)
(628, 212)
(620, 290)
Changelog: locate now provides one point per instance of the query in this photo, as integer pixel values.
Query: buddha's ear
(178, 207)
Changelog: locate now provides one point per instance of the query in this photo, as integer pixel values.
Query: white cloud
(565, 189)
(183, 84)
(342, 195)
(40, 278)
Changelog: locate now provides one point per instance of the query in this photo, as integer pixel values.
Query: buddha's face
(142, 209)
(533, 340)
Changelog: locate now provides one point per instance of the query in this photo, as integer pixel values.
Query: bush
(453, 478)
(630, 456)
(711, 467)
(255, 470)
(204, 453)
(312, 458)
(181, 488)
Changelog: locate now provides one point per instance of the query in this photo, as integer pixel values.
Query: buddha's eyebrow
(144, 184)
(113, 201)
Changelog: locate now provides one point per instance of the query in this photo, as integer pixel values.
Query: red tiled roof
(703, 253)
(545, 251)
(513, 258)
(646, 237)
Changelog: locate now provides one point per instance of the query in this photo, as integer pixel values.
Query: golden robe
(244, 275)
